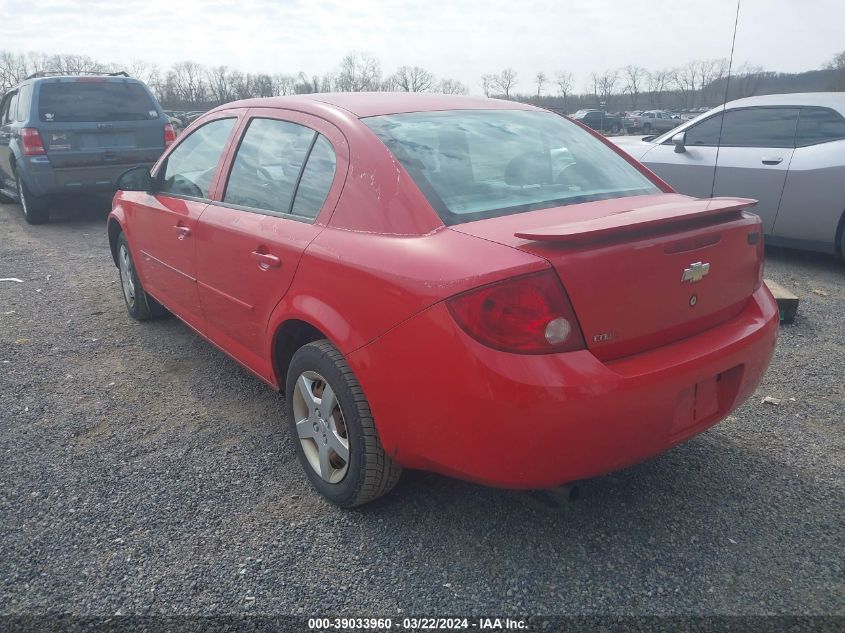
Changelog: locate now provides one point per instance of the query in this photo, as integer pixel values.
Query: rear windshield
(476, 164)
(95, 101)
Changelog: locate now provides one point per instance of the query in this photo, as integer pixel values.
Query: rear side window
(94, 100)
(819, 125)
(191, 165)
(316, 180)
(24, 101)
(268, 169)
(476, 164)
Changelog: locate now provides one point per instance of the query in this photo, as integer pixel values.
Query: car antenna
(724, 102)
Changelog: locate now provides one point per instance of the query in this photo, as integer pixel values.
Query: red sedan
(475, 287)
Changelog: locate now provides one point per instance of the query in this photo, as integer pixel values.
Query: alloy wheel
(321, 427)
(126, 275)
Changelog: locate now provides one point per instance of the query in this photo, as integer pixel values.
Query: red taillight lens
(169, 134)
(31, 142)
(525, 315)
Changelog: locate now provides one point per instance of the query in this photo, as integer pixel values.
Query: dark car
(599, 120)
(61, 134)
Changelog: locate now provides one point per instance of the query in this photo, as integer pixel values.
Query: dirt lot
(144, 472)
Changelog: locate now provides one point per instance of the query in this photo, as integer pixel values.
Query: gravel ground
(144, 472)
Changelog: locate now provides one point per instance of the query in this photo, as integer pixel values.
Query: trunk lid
(642, 271)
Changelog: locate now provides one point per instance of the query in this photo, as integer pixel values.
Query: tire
(367, 472)
(614, 129)
(139, 305)
(35, 209)
(647, 128)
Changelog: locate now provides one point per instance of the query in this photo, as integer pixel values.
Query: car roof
(828, 99)
(366, 104)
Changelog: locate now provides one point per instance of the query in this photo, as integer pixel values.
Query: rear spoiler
(638, 219)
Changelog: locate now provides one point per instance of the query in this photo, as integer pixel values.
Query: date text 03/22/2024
(416, 624)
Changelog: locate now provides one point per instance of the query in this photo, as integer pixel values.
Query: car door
(691, 171)
(163, 224)
(756, 149)
(285, 175)
(8, 111)
(813, 200)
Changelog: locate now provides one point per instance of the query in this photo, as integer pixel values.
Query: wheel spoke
(327, 402)
(325, 465)
(305, 429)
(304, 386)
(338, 445)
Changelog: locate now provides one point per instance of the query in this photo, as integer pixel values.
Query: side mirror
(135, 179)
(678, 141)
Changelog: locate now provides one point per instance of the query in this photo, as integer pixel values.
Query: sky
(461, 39)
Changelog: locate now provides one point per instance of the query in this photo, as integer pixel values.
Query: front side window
(476, 164)
(705, 133)
(191, 166)
(760, 127)
(819, 125)
(268, 165)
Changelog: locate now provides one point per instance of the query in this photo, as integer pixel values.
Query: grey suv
(61, 134)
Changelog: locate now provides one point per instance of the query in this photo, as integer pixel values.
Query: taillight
(31, 142)
(169, 134)
(530, 314)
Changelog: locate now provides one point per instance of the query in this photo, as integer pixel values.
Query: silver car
(653, 121)
(786, 151)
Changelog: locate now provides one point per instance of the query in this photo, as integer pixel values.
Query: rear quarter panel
(814, 195)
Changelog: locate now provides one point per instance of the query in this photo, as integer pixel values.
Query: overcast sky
(461, 39)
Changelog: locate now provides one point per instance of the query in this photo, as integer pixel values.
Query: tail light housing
(31, 142)
(756, 239)
(169, 134)
(530, 314)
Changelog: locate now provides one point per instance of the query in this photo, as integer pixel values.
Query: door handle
(182, 232)
(772, 160)
(266, 260)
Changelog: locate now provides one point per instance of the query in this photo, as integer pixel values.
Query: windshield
(476, 164)
(95, 101)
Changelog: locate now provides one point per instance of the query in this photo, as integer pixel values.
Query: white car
(786, 151)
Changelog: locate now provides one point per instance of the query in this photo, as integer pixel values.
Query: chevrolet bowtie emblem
(695, 272)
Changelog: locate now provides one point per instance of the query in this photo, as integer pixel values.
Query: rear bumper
(445, 403)
(42, 178)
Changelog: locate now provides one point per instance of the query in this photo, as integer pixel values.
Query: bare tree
(657, 82)
(603, 86)
(710, 74)
(541, 79)
(358, 72)
(505, 81)
(219, 85)
(283, 84)
(451, 87)
(564, 83)
(488, 84)
(837, 64)
(634, 77)
(412, 79)
(685, 80)
(747, 80)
